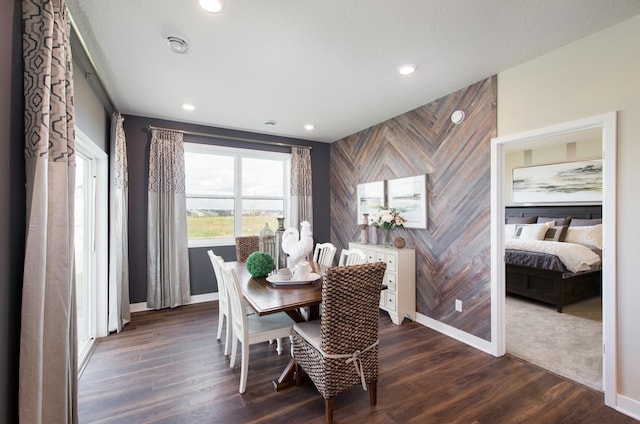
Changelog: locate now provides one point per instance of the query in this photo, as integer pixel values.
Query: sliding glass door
(90, 244)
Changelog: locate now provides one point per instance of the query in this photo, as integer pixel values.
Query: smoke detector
(457, 117)
(177, 43)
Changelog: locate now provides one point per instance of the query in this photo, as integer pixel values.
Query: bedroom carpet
(567, 344)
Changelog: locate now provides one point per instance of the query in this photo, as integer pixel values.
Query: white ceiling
(332, 63)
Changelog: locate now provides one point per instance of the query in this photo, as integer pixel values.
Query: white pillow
(534, 232)
(509, 231)
(590, 236)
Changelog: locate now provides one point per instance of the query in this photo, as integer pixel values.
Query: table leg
(287, 378)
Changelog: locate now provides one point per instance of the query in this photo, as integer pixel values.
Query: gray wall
(12, 197)
(202, 280)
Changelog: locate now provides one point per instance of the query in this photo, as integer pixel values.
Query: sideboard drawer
(390, 281)
(390, 301)
(399, 298)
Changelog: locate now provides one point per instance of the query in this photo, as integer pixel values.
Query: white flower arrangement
(387, 219)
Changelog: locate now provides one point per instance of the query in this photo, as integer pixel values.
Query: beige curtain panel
(301, 192)
(48, 358)
(167, 249)
(119, 313)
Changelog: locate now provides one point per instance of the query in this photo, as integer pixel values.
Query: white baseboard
(628, 407)
(455, 333)
(198, 298)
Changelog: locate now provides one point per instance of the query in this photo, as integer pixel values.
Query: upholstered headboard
(577, 211)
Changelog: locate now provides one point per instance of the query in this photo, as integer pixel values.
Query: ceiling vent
(177, 43)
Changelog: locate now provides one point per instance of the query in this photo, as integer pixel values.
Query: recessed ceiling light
(407, 69)
(211, 6)
(309, 127)
(188, 107)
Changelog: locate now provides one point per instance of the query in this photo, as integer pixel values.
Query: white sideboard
(399, 299)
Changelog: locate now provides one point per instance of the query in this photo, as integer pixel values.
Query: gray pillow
(521, 219)
(585, 222)
(559, 221)
(557, 233)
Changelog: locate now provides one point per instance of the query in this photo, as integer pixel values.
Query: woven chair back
(351, 299)
(246, 245)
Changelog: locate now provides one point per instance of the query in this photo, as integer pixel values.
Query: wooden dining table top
(266, 298)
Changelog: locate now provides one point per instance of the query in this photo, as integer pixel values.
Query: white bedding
(575, 257)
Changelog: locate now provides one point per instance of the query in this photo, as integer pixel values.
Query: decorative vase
(364, 230)
(281, 257)
(386, 237)
(374, 235)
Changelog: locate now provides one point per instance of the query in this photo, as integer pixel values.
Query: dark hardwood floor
(168, 367)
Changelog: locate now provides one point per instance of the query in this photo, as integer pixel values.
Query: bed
(541, 274)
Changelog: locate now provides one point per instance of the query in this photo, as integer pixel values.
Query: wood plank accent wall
(453, 253)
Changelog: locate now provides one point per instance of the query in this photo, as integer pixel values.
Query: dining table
(266, 298)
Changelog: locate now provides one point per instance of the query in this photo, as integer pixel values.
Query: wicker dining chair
(246, 245)
(340, 349)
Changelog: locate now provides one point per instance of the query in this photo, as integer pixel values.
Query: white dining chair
(250, 329)
(324, 253)
(352, 257)
(223, 302)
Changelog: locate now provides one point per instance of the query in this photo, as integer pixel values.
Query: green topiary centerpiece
(260, 264)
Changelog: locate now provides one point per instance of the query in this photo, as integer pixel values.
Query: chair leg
(298, 371)
(328, 410)
(244, 368)
(373, 394)
(227, 345)
(234, 349)
(220, 323)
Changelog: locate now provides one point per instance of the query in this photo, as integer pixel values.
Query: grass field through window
(203, 227)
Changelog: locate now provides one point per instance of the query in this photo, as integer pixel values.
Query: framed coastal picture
(370, 198)
(409, 197)
(559, 183)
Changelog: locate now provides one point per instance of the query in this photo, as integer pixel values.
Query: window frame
(237, 197)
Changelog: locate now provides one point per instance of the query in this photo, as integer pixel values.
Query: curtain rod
(228, 137)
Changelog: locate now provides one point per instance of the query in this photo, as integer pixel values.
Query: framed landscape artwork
(370, 198)
(409, 197)
(559, 183)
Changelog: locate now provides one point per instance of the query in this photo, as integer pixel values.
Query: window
(232, 192)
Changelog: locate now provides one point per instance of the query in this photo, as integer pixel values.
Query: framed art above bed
(559, 182)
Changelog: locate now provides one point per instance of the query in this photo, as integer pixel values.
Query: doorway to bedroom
(569, 343)
(515, 317)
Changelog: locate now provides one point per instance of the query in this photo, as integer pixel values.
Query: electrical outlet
(458, 305)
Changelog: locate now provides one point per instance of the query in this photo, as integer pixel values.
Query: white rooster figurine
(297, 245)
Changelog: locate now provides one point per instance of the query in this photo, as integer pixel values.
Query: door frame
(608, 123)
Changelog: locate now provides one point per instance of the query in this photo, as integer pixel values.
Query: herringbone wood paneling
(453, 253)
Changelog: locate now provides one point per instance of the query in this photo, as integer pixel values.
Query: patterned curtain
(301, 193)
(119, 313)
(47, 389)
(167, 252)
